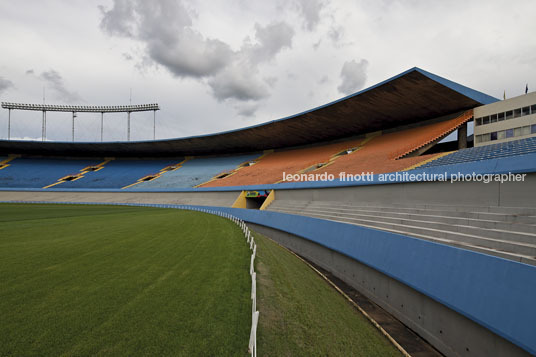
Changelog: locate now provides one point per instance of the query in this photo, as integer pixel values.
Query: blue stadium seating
(196, 171)
(37, 173)
(119, 173)
(511, 148)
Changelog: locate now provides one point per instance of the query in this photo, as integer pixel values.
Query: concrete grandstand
(441, 237)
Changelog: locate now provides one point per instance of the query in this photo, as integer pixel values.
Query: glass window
(485, 137)
(509, 114)
(533, 109)
(533, 129)
(525, 111)
(525, 130)
(478, 121)
(500, 116)
(517, 131)
(517, 113)
(501, 134)
(510, 133)
(493, 118)
(479, 137)
(493, 135)
(485, 120)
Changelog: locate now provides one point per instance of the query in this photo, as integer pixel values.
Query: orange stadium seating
(270, 168)
(385, 153)
(379, 154)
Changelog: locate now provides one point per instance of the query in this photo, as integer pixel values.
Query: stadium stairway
(505, 232)
(507, 149)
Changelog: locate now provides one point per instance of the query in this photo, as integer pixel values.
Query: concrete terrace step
(472, 239)
(431, 210)
(513, 211)
(437, 222)
(476, 243)
(496, 226)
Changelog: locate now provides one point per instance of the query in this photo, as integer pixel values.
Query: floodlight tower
(76, 109)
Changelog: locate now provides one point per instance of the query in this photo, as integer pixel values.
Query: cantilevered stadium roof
(412, 96)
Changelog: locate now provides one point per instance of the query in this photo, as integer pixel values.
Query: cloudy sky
(221, 65)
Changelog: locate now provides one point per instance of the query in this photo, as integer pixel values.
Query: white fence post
(253, 334)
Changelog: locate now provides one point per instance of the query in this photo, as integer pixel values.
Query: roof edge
(477, 96)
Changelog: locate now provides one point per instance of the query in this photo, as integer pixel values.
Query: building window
(509, 114)
(509, 133)
(517, 131)
(533, 109)
(493, 118)
(501, 134)
(478, 138)
(485, 120)
(485, 137)
(533, 129)
(517, 113)
(493, 136)
(525, 111)
(525, 130)
(478, 121)
(500, 116)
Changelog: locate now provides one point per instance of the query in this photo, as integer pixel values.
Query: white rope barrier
(252, 346)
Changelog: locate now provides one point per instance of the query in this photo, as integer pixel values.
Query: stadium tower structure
(440, 235)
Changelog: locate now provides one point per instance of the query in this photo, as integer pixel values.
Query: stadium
(432, 241)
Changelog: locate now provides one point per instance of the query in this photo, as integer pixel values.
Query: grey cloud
(30, 71)
(354, 76)
(246, 109)
(310, 10)
(240, 82)
(169, 39)
(323, 80)
(165, 29)
(335, 34)
(192, 56)
(55, 81)
(271, 39)
(119, 21)
(5, 84)
(292, 76)
(271, 81)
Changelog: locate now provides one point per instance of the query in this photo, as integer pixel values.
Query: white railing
(252, 348)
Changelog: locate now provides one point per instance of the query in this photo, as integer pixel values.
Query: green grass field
(110, 280)
(80, 280)
(301, 315)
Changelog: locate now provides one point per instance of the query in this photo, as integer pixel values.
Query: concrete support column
(462, 136)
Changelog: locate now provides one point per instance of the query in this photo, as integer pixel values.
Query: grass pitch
(301, 315)
(111, 280)
(80, 280)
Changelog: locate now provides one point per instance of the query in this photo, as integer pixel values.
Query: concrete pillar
(462, 136)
